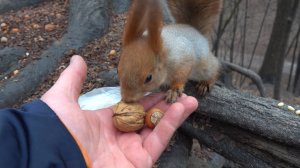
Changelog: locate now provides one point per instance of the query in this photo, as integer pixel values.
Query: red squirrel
(155, 55)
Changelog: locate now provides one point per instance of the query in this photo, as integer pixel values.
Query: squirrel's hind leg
(206, 73)
(177, 82)
(174, 93)
(205, 86)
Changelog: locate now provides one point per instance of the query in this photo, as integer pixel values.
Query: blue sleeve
(34, 137)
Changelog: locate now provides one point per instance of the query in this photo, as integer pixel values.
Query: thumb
(70, 82)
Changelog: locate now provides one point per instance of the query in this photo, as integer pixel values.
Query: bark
(271, 70)
(224, 145)
(273, 153)
(278, 77)
(296, 88)
(258, 115)
(277, 43)
(88, 20)
(177, 154)
(242, 147)
(7, 5)
(8, 58)
(120, 6)
(227, 67)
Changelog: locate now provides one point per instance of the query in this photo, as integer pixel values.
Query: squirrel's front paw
(203, 88)
(173, 94)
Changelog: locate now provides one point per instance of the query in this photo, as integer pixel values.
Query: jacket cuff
(59, 137)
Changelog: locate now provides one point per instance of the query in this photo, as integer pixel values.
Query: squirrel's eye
(148, 79)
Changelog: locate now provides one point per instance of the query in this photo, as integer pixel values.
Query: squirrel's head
(142, 63)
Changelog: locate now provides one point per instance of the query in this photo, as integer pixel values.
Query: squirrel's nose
(130, 99)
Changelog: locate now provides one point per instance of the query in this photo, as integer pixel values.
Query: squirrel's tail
(201, 14)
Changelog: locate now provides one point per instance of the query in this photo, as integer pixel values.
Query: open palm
(104, 145)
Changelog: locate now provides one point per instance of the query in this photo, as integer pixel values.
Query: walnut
(128, 117)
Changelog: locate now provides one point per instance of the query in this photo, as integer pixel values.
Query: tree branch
(248, 73)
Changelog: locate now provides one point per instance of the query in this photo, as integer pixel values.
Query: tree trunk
(271, 70)
(296, 89)
(278, 77)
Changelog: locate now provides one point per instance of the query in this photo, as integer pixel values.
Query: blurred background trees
(262, 35)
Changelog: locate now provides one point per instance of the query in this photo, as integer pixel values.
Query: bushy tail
(201, 14)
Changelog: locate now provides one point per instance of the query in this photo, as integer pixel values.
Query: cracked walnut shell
(128, 117)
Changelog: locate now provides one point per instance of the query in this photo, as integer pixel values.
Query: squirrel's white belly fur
(185, 47)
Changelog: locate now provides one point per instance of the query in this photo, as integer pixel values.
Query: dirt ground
(34, 28)
(28, 28)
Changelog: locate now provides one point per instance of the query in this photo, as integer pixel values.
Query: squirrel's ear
(135, 25)
(155, 23)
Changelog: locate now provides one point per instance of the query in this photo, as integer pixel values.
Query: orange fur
(142, 18)
(144, 55)
(154, 26)
(136, 15)
(199, 13)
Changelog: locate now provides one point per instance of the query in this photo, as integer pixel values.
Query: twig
(294, 57)
(257, 39)
(248, 73)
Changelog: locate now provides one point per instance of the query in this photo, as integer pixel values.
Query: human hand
(104, 145)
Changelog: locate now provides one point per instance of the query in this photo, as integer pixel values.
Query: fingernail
(72, 59)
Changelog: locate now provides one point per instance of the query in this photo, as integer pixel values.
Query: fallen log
(88, 19)
(243, 147)
(177, 154)
(270, 151)
(260, 116)
(224, 146)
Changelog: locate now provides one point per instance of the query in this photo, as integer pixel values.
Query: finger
(150, 100)
(71, 79)
(158, 139)
(163, 106)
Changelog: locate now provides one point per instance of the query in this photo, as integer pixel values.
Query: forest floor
(36, 27)
(28, 28)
